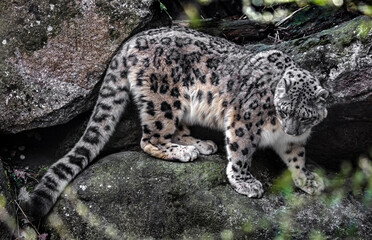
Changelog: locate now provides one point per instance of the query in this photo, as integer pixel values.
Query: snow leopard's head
(300, 101)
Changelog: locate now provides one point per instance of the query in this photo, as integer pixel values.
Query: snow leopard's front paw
(250, 187)
(309, 182)
(206, 147)
(186, 153)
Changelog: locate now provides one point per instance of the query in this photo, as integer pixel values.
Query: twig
(242, 17)
(289, 16)
(24, 214)
(16, 213)
(29, 175)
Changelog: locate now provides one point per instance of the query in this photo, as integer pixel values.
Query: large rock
(53, 54)
(7, 212)
(341, 58)
(131, 195)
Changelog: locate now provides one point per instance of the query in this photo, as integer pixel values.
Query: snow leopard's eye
(313, 119)
(282, 114)
(308, 119)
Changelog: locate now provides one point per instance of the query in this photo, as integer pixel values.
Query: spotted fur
(179, 77)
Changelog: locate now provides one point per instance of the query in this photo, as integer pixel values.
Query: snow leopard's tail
(112, 100)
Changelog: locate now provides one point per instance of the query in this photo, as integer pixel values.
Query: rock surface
(131, 195)
(7, 213)
(341, 58)
(53, 54)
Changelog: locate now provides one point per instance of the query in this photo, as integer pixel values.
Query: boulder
(53, 54)
(341, 58)
(131, 195)
(338, 56)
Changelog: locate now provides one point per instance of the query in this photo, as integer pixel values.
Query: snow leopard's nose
(292, 132)
(292, 127)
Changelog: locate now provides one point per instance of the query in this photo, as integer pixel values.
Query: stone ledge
(130, 195)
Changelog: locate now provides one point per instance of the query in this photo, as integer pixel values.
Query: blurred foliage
(277, 10)
(274, 11)
(205, 2)
(363, 29)
(283, 184)
(356, 181)
(227, 235)
(316, 235)
(193, 14)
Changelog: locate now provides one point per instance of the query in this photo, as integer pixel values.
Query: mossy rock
(130, 195)
(340, 57)
(53, 55)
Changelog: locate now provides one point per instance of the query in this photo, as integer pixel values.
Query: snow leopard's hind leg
(159, 121)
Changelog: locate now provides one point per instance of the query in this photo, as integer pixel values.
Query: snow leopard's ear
(321, 95)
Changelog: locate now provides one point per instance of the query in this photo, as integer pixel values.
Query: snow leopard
(180, 77)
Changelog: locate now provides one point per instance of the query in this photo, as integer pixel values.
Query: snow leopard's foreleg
(293, 155)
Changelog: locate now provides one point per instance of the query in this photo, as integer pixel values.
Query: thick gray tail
(112, 100)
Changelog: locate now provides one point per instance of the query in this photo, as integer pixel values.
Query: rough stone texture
(127, 134)
(313, 19)
(341, 58)
(7, 219)
(53, 55)
(150, 198)
(131, 195)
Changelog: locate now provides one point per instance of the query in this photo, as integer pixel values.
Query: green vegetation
(163, 8)
(267, 14)
(348, 181)
(276, 11)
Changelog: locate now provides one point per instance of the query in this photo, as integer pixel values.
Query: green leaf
(163, 7)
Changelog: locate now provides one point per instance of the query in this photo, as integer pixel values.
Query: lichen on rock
(134, 196)
(55, 54)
